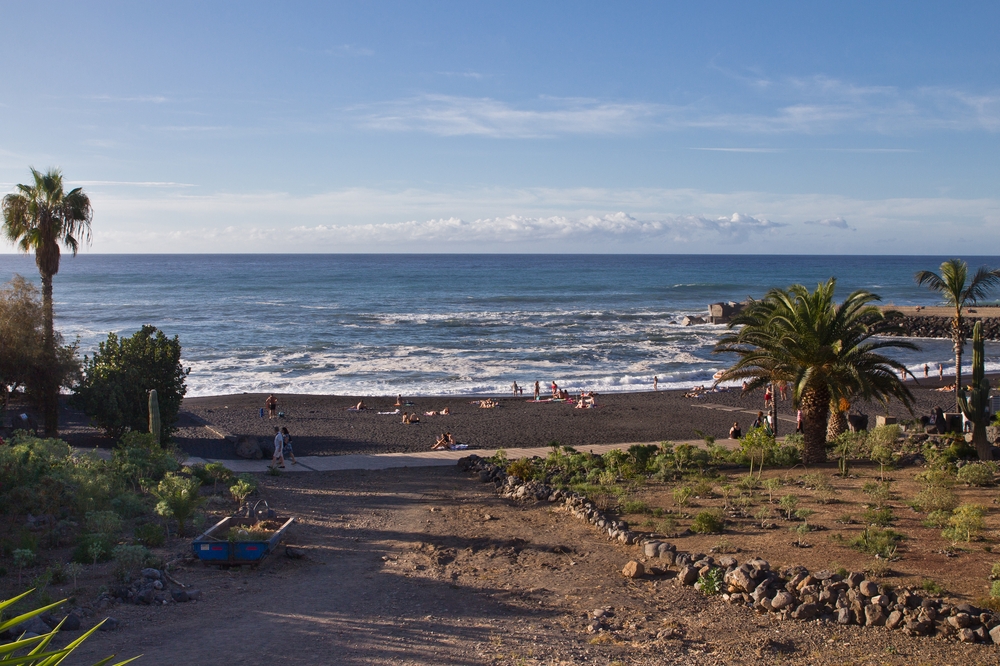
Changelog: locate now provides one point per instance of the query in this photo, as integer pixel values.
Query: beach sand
(322, 424)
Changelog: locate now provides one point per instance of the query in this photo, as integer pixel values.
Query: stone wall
(940, 327)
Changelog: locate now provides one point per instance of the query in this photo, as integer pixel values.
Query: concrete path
(391, 460)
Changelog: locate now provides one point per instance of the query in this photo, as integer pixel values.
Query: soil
(429, 566)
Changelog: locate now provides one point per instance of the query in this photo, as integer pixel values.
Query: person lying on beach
(359, 407)
(410, 418)
(446, 411)
(488, 403)
(392, 413)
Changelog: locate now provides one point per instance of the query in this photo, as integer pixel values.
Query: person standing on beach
(272, 406)
(538, 389)
(514, 387)
(656, 383)
(286, 446)
(555, 389)
(279, 449)
(926, 368)
(783, 390)
(940, 372)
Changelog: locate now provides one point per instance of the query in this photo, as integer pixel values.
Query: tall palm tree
(822, 349)
(951, 283)
(40, 218)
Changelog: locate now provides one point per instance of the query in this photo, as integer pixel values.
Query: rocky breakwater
(940, 327)
(794, 593)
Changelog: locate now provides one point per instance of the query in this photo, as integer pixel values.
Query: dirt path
(427, 566)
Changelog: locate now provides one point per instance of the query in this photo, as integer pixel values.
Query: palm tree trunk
(815, 405)
(50, 388)
(836, 426)
(958, 342)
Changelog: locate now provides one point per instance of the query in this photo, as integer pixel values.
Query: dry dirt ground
(428, 566)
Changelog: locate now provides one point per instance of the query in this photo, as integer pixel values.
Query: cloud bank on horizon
(390, 127)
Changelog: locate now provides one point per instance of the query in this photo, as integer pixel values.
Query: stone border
(792, 593)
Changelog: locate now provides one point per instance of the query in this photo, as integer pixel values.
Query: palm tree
(950, 283)
(822, 349)
(39, 218)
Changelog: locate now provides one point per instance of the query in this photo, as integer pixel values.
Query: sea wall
(940, 327)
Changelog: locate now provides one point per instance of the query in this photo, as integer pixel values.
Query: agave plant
(37, 650)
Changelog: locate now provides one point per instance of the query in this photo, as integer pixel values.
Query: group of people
(282, 448)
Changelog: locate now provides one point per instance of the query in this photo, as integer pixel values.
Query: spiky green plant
(975, 401)
(35, 651)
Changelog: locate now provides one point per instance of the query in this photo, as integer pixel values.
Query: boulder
(868, 588)
(960, 620)
(874, 616)
(805, 612)
(895, 619)
(740, 580)
(651, 549)
(854, 579)
(966, 636)
(845, 616)
(688, 576)
(633, 569)
(995, 634)
(248, 447)
(110, 624)
(782, 600)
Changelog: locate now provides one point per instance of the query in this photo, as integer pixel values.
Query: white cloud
(447, 115)
(834, 223)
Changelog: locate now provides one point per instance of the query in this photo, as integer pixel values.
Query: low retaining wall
(940, 327)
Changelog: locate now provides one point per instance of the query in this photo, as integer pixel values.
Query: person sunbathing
(440, 443)
(361, 405)
(406, 418)
(414, 418)
(445, 412)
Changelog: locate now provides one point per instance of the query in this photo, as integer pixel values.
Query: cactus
(974, 402)
(154, 416)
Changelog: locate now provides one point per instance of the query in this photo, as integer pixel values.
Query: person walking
(538, 389)
(656, 383)
(940, 372)
(272, 406)
(286, 446)
(926, 369)
(278, 457)
(514, 387)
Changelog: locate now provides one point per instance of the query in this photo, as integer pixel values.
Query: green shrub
(935, 498)
(879, 517)
(178, 498)
(104, 522)
(995, 589)
(975, 474)
(634, 506)
(879, 492)
(711, 583)
(682, 495)
(93, 548)
(932, 587)
(218, 473)
(937, 519)
(966, 523)
(703, 489)
(140, 460)
(116, 381)
(707, 522)
(521, 468)
(668, 526)
(150, 535)
(129, 561)
(875, 541)
(788, 504)
(129, 505)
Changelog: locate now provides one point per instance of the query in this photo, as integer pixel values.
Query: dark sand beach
(323, 425)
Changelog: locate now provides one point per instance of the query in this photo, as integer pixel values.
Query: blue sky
(513, 127)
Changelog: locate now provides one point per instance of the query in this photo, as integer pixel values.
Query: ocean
(447, 324)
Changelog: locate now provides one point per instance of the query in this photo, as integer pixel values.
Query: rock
(633, 569)
(740, 579)
(651, 549)
(248, 447)
(180, 596)
(110, 624)
(688, 576)
(995, 634)
(145, 596)
(854, 579)
(966, 636)
(294, 553)
(805, 612)
(919, 627)
(895, 619)
(868, 588)
(782, 600)
(35, 625)
(193, 595)
(874, 616)
(157, 584)
(759, 564)
(845, 616)
(881, 600)
(152, 574)
(727, 562)
(960, 620)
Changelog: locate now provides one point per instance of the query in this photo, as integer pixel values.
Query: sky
(663, 127)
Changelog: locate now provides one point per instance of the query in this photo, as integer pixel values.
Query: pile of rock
(940, 327)
(793, 593)
(151, 588)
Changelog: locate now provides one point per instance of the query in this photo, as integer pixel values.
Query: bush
(932, 587)
(178, 497)
(682, 495)
(707, 522)
(634, 506)
(140, 460)
(150, 535)
(711, 583)
(242, 489)
(976, 474)
(935, 498)
(937, 519)
(966, 523)
(93, 548)
(521, 468)
(116, 382)
(878, 517)
(129, 505)
(129, 561)
(875, 541)
(104, 522)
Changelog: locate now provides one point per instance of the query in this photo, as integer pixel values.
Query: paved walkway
(391, 460)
